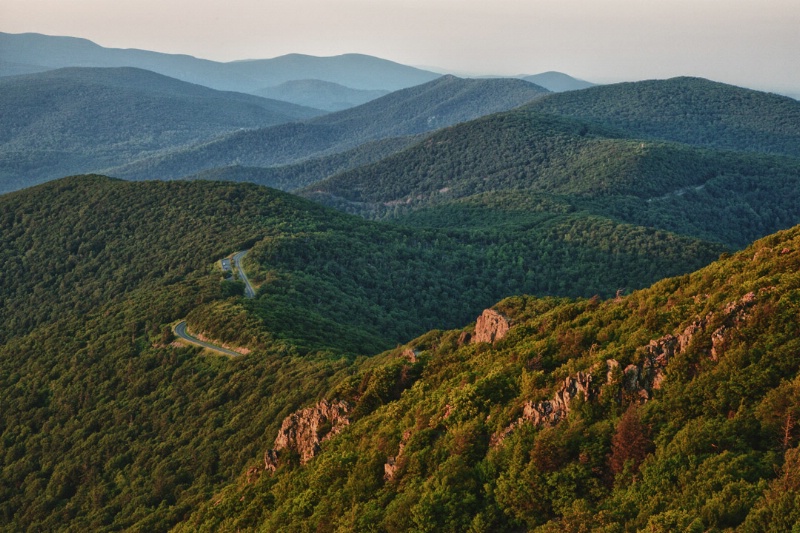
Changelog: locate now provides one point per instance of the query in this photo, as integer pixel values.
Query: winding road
(180, 332)
(249, 292)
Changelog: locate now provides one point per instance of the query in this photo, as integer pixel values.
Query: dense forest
(506, 169)
(694, 111)
(109, 425)
(674, 408)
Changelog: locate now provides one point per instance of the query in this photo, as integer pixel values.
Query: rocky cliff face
(392, 463)
(302, 432)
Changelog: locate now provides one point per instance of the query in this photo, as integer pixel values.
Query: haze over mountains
(320, 94)
(436, 104)
(330, 83)
(352, 70)
(73, 120)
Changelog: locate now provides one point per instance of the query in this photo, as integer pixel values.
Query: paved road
(249, 292)
(180, 331)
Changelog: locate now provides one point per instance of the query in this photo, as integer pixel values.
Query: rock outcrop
(464, 338)
(735, 314)
(490, 327)
(550, 412)
(650, 373)
(636, 382)
(302, 432)
(410, 355)
(660, 352)
(390, 468)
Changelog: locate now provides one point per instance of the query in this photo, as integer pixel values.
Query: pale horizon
(742, 42)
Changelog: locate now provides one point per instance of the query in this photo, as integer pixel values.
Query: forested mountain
(689, 110)
(79, 119)
(357, 71)
(558, 82)
(298, 175)
(106, 425)
(442, 102)
(671, 409)
(507, 168)
(320, 94)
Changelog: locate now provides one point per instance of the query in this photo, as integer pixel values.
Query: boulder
(410, 355)
(490, 327)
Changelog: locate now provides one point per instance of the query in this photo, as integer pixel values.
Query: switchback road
(249, 292)
(180, 331)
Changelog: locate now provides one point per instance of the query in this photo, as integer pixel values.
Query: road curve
(249, 292)
(180, 331)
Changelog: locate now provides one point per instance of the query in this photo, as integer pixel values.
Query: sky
(752, 43)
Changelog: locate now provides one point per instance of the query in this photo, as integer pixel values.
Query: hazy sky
(755, 43)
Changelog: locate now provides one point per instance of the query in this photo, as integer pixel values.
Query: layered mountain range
(135, 124)
(515, 309)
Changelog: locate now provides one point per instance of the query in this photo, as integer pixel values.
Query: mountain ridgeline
(320, 94)
(558, 82)
(618, 378)
(427, 107)
(31, 52)
(74, 120)
(688, 110)
(506, 169)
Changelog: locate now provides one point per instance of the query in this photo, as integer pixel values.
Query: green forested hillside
(298, 175)
(411, 111)
(669, 408)
(106, 425)
(83, 119)
(674, 408)
(688, 110)
(505, 168)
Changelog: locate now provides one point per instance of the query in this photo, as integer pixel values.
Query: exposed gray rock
(637, 381)
(490, 327)
(304, 431)
(735, 314)
(550, 412)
